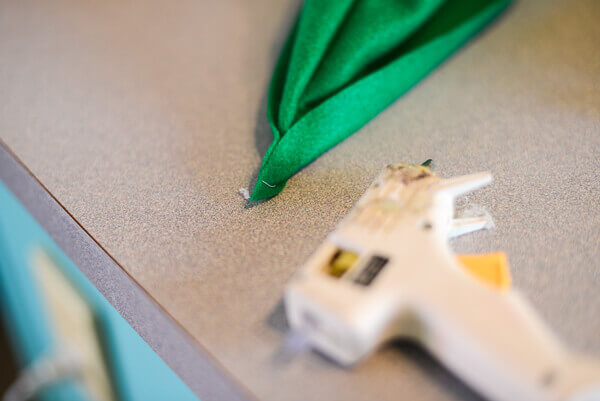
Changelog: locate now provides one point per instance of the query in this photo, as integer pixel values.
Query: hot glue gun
(387, 272)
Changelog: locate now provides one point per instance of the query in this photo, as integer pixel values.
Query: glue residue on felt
(245, 193)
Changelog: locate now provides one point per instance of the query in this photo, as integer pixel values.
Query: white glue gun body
(387, 272)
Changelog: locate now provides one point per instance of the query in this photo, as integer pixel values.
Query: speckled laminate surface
(144, 119)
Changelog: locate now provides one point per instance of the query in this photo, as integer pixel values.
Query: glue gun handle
(497, 344)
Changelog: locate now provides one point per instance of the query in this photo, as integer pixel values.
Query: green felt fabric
(345, 61)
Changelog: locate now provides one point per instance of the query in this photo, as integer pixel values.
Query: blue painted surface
(138, 372)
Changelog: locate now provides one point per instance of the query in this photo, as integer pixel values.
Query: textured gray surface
(145, 118)
(192, 363)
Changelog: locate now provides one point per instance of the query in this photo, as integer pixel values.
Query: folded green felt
(347, 60)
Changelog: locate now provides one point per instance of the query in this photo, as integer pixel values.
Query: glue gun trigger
(458, 186)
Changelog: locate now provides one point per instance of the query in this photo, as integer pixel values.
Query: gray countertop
(144, 119)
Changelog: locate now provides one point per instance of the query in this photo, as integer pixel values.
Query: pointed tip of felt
(264, 190)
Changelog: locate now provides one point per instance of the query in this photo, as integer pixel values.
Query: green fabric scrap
(347, 60)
